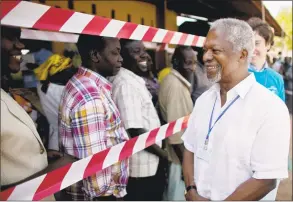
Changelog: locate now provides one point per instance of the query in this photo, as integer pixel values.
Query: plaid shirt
(89, 122)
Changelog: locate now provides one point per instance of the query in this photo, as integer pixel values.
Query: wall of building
(132, 11)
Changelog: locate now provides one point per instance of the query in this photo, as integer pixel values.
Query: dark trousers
(105, 198)
(147, 188)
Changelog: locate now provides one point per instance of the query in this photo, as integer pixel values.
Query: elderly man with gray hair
(237, 139)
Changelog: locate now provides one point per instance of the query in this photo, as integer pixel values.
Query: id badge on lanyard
(203, 152)
(206, 143)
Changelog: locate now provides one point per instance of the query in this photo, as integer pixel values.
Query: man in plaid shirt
(89, 121)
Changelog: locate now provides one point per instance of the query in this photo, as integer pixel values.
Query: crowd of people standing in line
(114, 96)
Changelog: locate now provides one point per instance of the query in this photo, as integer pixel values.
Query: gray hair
(238, 33)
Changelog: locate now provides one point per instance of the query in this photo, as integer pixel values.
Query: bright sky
(275, 6)
(272, 6)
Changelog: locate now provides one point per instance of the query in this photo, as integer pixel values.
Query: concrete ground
(285, 188)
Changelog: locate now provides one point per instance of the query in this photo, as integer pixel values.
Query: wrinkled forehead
(189, 54)
(258, 37)
(134, 45)
(217, 38)
(112, 42)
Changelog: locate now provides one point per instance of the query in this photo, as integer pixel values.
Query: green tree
(284, 18)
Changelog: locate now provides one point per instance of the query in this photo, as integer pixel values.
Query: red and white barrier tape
(48, 36)
(161, 47)
(31, 15)
(63, 177)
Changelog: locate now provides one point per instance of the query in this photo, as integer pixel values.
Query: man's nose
(207, 56)
(193, 67)
(144, 55)
(254, 51)
(120, 59)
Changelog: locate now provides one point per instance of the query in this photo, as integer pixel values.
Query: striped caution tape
(15, 13)
(52, 182)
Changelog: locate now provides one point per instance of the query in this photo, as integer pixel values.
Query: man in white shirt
(237, 140)
(175, 102)
(134, 102)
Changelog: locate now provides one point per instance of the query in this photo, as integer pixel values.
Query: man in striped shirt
(89, 121)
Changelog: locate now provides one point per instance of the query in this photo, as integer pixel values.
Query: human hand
(200, 198)
(53, 154)
(192, 195)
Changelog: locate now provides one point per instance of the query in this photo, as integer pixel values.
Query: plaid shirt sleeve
(92, 132)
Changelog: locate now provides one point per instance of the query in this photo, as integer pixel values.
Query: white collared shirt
(50, 103)
(250, 140)
(136, 108)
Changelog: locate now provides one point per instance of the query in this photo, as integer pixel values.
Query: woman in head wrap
(53, 76)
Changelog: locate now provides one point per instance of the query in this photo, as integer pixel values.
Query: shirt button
(42, 150)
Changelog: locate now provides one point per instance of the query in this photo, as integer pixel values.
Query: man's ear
(244, 55)
(95, 56)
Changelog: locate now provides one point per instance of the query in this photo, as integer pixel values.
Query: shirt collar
(181, 78)
(100, 80)
(265, 66)
(125, 73)
(241, 88)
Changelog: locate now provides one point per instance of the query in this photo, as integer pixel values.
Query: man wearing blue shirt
(265, 75)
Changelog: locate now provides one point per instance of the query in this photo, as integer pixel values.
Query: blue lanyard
(219, 117)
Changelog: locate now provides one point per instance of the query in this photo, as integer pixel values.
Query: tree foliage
(284, 18)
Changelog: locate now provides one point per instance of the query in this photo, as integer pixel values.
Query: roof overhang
(220, 9)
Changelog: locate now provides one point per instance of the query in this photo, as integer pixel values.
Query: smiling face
(10, 50)
(260, 51)
(138, 56)
(219, 58)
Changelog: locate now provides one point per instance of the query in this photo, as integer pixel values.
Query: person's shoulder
(276, 76)
(4, 95)
(126, 82)
(82, 89)
(170, 80)
(163, 73)
(266, 98)
(274, 73)
(205, 96)
(124, 76)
